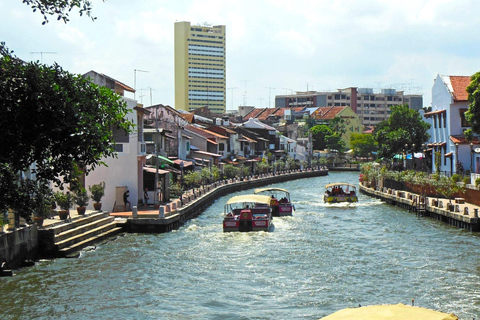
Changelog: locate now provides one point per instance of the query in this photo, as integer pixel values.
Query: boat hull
(338, 199)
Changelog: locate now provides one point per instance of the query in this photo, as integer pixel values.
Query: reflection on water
(323, 258)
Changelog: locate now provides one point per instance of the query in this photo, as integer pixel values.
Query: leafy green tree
(404, 126)
(363, 144)
(473, 113)
(55, 121)
(61, 8)
(320, 133)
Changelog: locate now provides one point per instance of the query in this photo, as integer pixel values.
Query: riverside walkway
(455, 212)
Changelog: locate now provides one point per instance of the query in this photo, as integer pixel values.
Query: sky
(273, 47)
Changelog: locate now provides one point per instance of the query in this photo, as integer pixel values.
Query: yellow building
(200, 67)
(351, 120)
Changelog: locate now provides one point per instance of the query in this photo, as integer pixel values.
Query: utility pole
(151, 95)
(245, 93)
(41, 54)
(135, 80)
(269, 94)
(232, 93)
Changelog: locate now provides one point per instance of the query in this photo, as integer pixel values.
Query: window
(366, 97)
(118, 147)
(463, 120)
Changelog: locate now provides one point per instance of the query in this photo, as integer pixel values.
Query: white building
(448, 123)
(126, 170)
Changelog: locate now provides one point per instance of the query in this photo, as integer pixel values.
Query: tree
(319, 136)
(54, 121)
(363, 144)
(61, 8)
(473, 113)
(404, 126)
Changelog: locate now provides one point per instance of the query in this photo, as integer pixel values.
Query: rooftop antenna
(269, 94)
(232, 94)
(41, 54)
(245, 93)
(135, 80)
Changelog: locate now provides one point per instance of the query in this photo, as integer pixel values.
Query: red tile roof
(253, 114)
(459, 85)
(462, 140)
(267, 112)
(328, 112)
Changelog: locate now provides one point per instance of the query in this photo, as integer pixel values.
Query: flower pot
(63, 214)
(38, 221)
(97, 205)
(81, 210)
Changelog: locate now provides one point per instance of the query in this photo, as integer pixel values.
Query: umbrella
(389, 312)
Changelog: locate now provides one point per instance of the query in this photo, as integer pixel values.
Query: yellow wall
(352, 124)
(208, 38)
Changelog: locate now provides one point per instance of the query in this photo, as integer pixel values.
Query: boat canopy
(339, 184)
(270, 190)
(251, 198)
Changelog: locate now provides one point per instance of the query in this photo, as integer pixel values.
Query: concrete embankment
(454, 212)
(175, 213)
(28, 243)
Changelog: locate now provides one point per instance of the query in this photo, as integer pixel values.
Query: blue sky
(273, 47)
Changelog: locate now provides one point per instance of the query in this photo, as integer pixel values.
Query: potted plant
(43, 203)
(97, 191)
(81, 199)
(3, 222)
(65, 202)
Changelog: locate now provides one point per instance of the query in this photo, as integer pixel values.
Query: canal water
(322, 259)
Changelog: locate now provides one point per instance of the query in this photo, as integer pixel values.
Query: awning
(153, 170)
(185, 163)
(208, 154)
(165, 160)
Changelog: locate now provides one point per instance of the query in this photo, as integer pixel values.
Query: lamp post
(457, 163)
(181, 182)
(405, 152)
(471, 157)
(414, 165)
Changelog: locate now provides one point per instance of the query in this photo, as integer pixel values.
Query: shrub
(477, 182)
(466, 180)
(97, 191)
(456, 178)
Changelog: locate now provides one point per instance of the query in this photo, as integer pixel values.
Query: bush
(456, 178)
(176, 190)
(97, 191)
(466, 180)
(477, 182)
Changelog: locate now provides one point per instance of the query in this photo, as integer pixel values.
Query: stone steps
(69, 238)
(77, 246)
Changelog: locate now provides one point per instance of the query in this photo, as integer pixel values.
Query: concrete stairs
(82, 232)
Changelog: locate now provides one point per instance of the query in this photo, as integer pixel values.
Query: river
(322, 259)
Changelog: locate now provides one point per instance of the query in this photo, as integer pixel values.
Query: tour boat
(340, 192)
(245, 213)
(279, 201)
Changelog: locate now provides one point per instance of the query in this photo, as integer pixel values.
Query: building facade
(447, 119)
(372, 108)
(200, 74)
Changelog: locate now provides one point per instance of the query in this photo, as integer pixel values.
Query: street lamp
(405, 152)
(471, 157)
(456, 158)
(414, 165)
(181, 182)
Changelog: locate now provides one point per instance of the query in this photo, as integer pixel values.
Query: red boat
(279, 201)
(248, 213)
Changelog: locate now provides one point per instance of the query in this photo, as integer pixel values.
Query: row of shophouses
(168, 142)
(184, 141)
